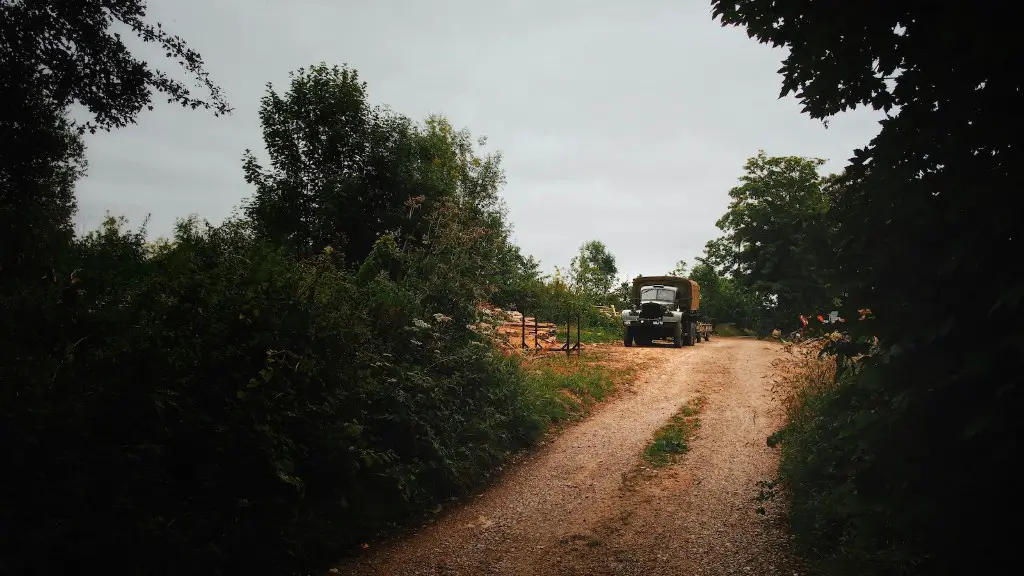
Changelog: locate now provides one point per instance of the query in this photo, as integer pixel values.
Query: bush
(870, 468)
(215, 406)
(264, 395)
(835, 516)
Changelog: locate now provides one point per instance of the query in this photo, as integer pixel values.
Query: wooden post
(523, 344)
(568, 335)
(579, 320)
(536, 340)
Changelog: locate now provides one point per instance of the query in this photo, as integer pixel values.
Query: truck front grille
(651, 310)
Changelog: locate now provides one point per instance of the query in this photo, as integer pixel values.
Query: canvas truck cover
(687, 295)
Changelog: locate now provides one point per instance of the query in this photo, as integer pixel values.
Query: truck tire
(677, 335)
(627, 340)
(707, 336)
(691, 338)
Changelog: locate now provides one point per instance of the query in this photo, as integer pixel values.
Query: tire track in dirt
(566, 510)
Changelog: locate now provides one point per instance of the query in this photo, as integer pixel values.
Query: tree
(519, 282)
(331, 156)
(722, 298)
(343, 173)
(55, 54)
(921, 231)
(624, 295)
(43, 157)
(594, 270)
(776, 241)
(144, 395)
(67, 53)
(679, 270)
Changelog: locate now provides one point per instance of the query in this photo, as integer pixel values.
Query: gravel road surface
(583, 504)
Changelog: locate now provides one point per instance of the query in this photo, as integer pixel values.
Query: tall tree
(331, 157)
(55, 54)
(68, 52)
(623, 297)
(343, 173)
(43, 157)
(922, 236)
(776, 234)
(593, 269)
(722, 298)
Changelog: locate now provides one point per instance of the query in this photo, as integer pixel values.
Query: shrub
(213, 405)
(862, 476)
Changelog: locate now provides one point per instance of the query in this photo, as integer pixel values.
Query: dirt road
(577, 507)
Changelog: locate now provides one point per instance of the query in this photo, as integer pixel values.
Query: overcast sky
(623, 122)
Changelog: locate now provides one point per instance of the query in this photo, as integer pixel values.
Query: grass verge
(563, 388)
(731, 330)
(673, 439)
(600, 335)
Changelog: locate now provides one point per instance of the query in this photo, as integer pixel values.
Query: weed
(672, 440)
(600, 334)
(766, 492)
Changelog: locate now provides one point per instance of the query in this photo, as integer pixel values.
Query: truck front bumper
(653, 327)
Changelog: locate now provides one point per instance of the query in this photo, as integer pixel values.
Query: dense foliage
(265, 394)
(776, 244)
(215, 403)
(773, 262)
(724, 299)
(54, 54)
(594, 270)
(907, 466)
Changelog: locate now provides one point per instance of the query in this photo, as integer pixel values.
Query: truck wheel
(677, 335)
(627, 340)
(691, 338)
(707, 336)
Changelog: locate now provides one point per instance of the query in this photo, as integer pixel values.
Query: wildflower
(420, 323)
(442, 318)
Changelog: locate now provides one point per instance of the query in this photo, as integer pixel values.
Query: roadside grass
(673, 439)
(729, 329)
(558, 390)
(563, 388)
(600, 334)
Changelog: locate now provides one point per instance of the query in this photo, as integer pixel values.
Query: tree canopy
(776, 240)
(68, 53)
(679, 270)
(921, 230)
(55, 54)
(594, 270)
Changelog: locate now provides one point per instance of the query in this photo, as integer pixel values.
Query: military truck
(664, 307)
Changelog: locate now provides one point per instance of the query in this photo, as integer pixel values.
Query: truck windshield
(664, 294)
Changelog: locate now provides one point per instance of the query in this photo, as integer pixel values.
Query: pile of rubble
(509, 325)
